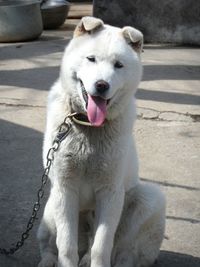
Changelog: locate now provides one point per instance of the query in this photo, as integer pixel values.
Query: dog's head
(101, 68)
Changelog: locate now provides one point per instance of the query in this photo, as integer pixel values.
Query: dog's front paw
(48, 260)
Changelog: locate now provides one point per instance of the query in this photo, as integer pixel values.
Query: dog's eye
(91, 58)
(118, 65)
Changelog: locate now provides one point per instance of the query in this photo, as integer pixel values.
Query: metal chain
(63, 131)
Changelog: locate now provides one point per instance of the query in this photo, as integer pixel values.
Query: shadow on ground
(33, 49)
(166, 259)
(42, 77)
(171, 72)
(168, 97)
(173, 259)
(20, 172)
(20, 176)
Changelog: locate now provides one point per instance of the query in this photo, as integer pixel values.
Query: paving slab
(167, 133)
(78, 10)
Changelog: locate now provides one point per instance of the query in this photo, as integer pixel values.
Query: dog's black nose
(102, 86)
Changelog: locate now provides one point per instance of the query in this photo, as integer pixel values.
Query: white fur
(96, 169)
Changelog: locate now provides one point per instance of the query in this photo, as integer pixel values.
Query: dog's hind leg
(141, 228)
(47, 238)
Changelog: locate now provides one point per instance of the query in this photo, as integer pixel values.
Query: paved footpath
(167, 133)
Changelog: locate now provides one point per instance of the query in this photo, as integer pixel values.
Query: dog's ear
(87, 25)
(134, 38)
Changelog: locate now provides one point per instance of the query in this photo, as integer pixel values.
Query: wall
(161, 21)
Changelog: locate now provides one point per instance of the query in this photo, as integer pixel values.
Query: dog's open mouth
(84, 93)
(96, 107)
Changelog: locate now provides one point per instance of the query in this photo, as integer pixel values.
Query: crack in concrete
(21, 105)
(155, 116)
(11, 98)
(167, 115)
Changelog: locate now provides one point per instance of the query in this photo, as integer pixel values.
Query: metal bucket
(54, 13)
(20, 20)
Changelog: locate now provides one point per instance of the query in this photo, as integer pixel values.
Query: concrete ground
(167, 133)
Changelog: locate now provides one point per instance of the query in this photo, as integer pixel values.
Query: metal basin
(20, 20)
(54, 13)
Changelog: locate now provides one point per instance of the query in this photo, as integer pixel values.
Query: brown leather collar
(82, 119)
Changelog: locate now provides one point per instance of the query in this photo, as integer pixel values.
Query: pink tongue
(96, 110)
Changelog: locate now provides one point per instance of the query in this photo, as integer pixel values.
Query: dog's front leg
(109, 205)
(66, 218)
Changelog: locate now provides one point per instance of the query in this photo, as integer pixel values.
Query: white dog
(98, 213)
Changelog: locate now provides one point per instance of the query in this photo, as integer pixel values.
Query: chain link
(63, 131)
